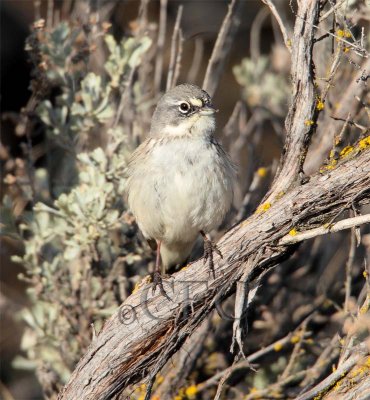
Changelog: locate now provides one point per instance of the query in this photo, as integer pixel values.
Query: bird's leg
(157, 276)
(209, 248)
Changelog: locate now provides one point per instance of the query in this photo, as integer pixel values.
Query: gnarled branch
(141, 336)
(147, 329)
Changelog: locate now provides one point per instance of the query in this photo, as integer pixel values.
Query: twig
(255, 35)
(323, 230)
(280, 23)
(332, 9)
(329, 129)
(36, 8)
(338, 140)
(231, 124)
(222, 47)
(5, 392)
(347, 121)
(160, 46)
(258, 177)
(351, 335)
(264, 393)
(222, 381)
(174, 49)
(333, 71)
(315, 370)
(329, 354)
(246, 363)
(50, 14)
(331, 379)
(143, 16)
(124, 96)
(296, 351)
(361, 51)
(245, 294)
(196, 61)
(246, 129)
(349, 264)
(178, 58)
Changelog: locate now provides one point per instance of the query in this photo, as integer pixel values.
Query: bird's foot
(209, 248)
(158, 282)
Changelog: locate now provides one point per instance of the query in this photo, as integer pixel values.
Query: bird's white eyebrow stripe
(193, 101)
(196, 102)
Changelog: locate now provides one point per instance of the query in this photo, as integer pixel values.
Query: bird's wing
(152, 243)
(138, 157)
(136, 160)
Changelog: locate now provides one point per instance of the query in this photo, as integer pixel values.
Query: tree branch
(142, 335)
(222, 47)
(138, 340)
(334, 377)
(302, 115)
(175, 43)
(147, 329)
(280, 22)
(323, 230)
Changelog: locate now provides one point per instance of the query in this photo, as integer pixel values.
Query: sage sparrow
(180, 180)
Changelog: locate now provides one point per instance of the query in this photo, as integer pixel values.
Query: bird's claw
(209, 248)
(158, 282)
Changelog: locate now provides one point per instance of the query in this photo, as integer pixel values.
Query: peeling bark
(147, 329)
(141, 336)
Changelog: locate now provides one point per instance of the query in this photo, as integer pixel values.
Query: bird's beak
(207, 110)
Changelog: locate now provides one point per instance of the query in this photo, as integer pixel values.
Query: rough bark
(147, 329)
(349, 382)
(302, 115)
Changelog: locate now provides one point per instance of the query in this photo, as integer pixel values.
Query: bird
(180, 181)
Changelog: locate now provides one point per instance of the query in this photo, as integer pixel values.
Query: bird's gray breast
(190, 185)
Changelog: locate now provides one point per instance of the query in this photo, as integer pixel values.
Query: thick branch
(302, 115)
(147, 329)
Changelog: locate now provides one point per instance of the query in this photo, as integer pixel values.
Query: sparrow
(179, 181)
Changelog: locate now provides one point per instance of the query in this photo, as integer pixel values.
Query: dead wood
(146, 330)
(138, 340)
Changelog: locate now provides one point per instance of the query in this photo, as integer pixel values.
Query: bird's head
(182, 111)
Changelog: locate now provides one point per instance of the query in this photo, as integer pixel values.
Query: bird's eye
(184, 107)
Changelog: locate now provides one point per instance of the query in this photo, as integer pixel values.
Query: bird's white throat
(196, 125)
